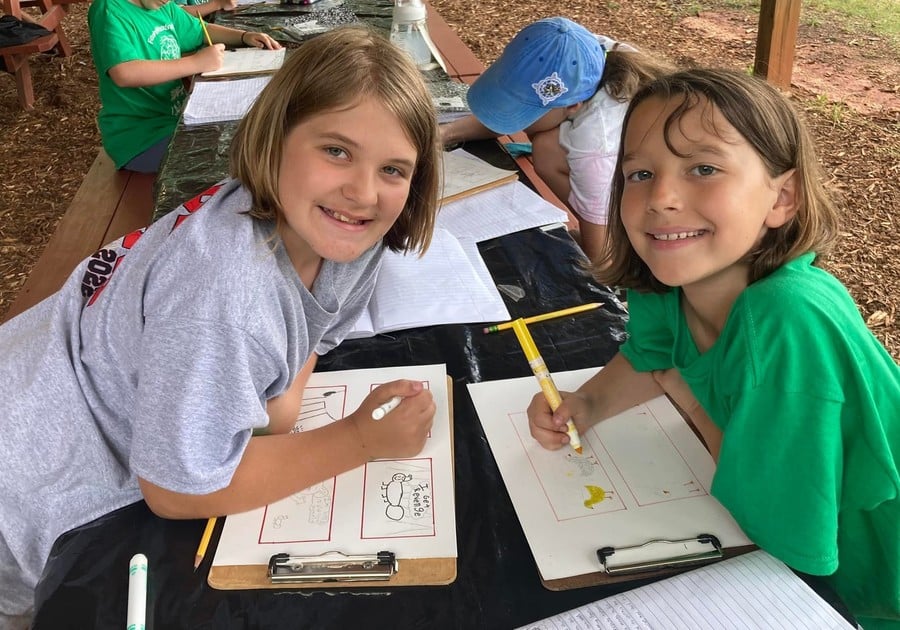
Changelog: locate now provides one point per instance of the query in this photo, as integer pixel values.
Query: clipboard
(656, 558)
(336, 570)
(642, 482)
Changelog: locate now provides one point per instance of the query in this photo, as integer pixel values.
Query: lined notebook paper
(217, 101)
(750, 592)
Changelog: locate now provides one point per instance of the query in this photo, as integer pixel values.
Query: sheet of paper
(753, 591)
(503, 210)
(216, 101)
(463, 172)
(249, 61)
(406, 506)
(450, 284)
(643, 475)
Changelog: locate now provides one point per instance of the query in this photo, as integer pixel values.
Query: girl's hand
(549, 428)
(259, 40)
(210, 58)
(402, 431)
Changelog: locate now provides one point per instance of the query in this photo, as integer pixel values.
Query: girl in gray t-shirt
(149, 374)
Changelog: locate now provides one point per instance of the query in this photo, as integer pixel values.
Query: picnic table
(498, 586)
(16, 57)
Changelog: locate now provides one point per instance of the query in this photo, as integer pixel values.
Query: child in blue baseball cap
(567, 89)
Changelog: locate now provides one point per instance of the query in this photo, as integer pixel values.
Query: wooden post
(775, 41)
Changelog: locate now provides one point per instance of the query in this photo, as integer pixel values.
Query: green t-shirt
(132, 120)
(809, 404)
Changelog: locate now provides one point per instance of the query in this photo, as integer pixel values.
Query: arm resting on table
(145, 72)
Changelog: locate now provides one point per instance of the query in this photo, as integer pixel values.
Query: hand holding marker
(382, 410)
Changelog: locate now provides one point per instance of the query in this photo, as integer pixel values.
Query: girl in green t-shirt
(143, 49)
(718, 217)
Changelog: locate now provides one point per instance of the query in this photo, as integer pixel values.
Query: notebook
(750, 592)
(219, 101)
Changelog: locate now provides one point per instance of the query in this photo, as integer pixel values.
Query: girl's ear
(788, 200)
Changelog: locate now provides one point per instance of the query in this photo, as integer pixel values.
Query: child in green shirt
(717, 219)
(141, 52)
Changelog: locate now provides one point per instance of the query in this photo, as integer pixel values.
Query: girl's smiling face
(344, 180)
(695, 209)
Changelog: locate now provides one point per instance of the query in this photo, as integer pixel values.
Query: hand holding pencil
(548, 388)
(211, 56)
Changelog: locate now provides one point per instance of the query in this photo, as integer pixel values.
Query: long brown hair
(334, 71)
(627, 69)
(771, 125)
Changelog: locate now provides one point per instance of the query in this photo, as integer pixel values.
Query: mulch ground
(846, 81)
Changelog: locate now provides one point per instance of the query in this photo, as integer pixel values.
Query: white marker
(382, 410)
(137, 593)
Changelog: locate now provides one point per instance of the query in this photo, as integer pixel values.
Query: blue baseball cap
(550, 63)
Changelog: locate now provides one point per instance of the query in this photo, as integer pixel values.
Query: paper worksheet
(643, 475)
(503, 210)
(217, 101)
(450, 284)
(249, 61)
(405, 506)
(750, 592)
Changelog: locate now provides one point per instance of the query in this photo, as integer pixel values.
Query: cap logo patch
(549, 88)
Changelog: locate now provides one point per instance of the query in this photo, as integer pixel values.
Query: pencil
(203, 26)
(536, 361)
(545, 316)
(204, 541)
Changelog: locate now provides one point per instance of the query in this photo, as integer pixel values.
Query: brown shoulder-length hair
(330, 72)
(627, 69)
(770, 124)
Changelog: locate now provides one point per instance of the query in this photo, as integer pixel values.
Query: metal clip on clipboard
(660, 554)
(332, 566)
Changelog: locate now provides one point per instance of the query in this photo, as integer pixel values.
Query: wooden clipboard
(602, 577)
(599, 578)
(412, 571)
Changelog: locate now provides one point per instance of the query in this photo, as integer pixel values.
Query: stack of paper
(451, 284)
(217, 101)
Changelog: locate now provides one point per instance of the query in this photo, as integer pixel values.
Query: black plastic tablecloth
(498, 586)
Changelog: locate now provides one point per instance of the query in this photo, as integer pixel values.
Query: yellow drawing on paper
(595, 495)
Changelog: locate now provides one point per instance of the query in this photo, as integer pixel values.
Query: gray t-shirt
(156, 360)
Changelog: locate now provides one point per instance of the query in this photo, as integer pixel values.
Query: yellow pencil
(536, 361)
(545, 316)
(203, 26)
(204, 541)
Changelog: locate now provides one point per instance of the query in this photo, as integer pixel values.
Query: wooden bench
(108, 204)
(16, 57)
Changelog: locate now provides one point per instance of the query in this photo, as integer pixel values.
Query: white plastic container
(409, 31)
